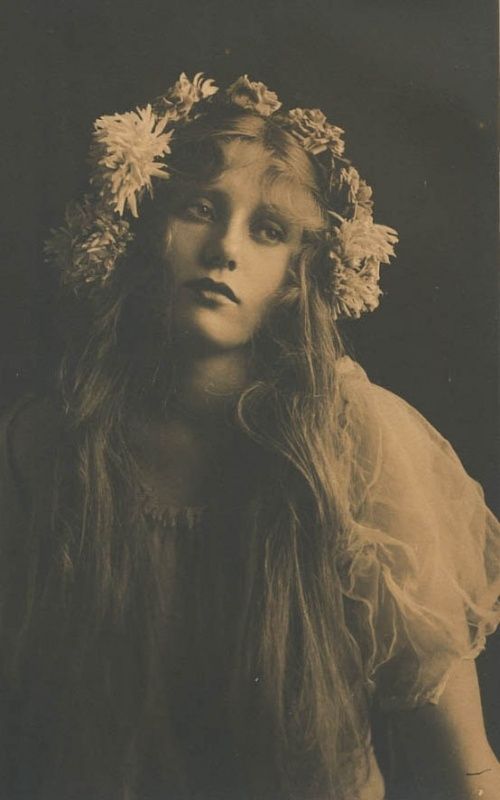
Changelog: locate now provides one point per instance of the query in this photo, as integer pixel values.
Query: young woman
(222, 546)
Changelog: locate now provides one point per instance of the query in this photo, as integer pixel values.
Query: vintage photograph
(249, 365)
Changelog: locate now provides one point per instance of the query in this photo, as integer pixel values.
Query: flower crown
(129, 153)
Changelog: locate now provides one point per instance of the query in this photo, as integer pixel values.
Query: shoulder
(411, 481)
(377, 403)
(423, 552)
(394, 438)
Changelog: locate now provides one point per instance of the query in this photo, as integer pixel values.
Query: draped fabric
(419, 568)
(422, 559)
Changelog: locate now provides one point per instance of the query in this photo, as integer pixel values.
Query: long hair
(295, 714)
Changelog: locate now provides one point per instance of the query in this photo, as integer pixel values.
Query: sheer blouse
(421, 562)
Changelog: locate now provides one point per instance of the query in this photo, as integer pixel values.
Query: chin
(211, 335)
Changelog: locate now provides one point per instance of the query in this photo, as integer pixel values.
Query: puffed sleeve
(421, 564)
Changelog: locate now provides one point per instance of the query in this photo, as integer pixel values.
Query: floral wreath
(130, 151)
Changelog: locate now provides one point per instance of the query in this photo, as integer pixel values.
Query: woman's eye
(271, 233)
(199, 209)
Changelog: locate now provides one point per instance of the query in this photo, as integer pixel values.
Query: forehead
(254, 173)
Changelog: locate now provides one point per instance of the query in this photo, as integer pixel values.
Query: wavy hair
(265, 608)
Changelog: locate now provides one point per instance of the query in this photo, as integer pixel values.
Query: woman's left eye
(270, 232)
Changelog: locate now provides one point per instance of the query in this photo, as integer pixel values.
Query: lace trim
(169, 516)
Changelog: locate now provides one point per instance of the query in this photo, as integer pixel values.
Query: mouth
(207, 287)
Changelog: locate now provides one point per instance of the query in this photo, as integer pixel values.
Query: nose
(223, 250)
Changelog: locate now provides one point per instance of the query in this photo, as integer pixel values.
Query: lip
(207, 285)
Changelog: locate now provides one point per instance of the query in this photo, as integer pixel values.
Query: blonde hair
(296, 730)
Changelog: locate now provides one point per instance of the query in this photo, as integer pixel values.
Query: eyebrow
(282, 213)
(275, 211)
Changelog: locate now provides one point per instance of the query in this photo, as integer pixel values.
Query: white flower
(185, 93)
(358, 239)
(253, 95)
(359, 247)
(355, 291)
(314, 132)
(363, 203)
(350, 197)
(130, 150)
(126, 147)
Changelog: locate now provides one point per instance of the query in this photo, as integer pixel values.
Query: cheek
(275, 271)
(267, 280)
(179, 248)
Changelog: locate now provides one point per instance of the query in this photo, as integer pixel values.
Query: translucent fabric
(422, 558)
(420, 566)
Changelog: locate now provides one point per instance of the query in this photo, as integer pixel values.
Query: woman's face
(228, 249)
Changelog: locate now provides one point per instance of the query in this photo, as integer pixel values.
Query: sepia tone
(414, 88)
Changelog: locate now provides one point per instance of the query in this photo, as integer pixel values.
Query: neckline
(169, 515)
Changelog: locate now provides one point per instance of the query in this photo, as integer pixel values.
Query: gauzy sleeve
(421, 563)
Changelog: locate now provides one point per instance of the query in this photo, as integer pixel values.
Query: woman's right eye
(199, 209)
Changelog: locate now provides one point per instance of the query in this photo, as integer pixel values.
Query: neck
(208, 384)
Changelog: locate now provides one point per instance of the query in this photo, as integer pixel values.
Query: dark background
(413, 83)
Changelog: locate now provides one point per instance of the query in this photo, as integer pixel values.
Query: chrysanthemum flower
(314, 132)
(253, 95)
(361, 238)
(185, 93)
(126, 147)
(350, 195)
(85, 249)
(130, 150)
(354, 292)
(358, 248)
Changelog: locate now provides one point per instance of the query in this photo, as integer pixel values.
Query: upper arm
(446, 745)
(422, 569)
